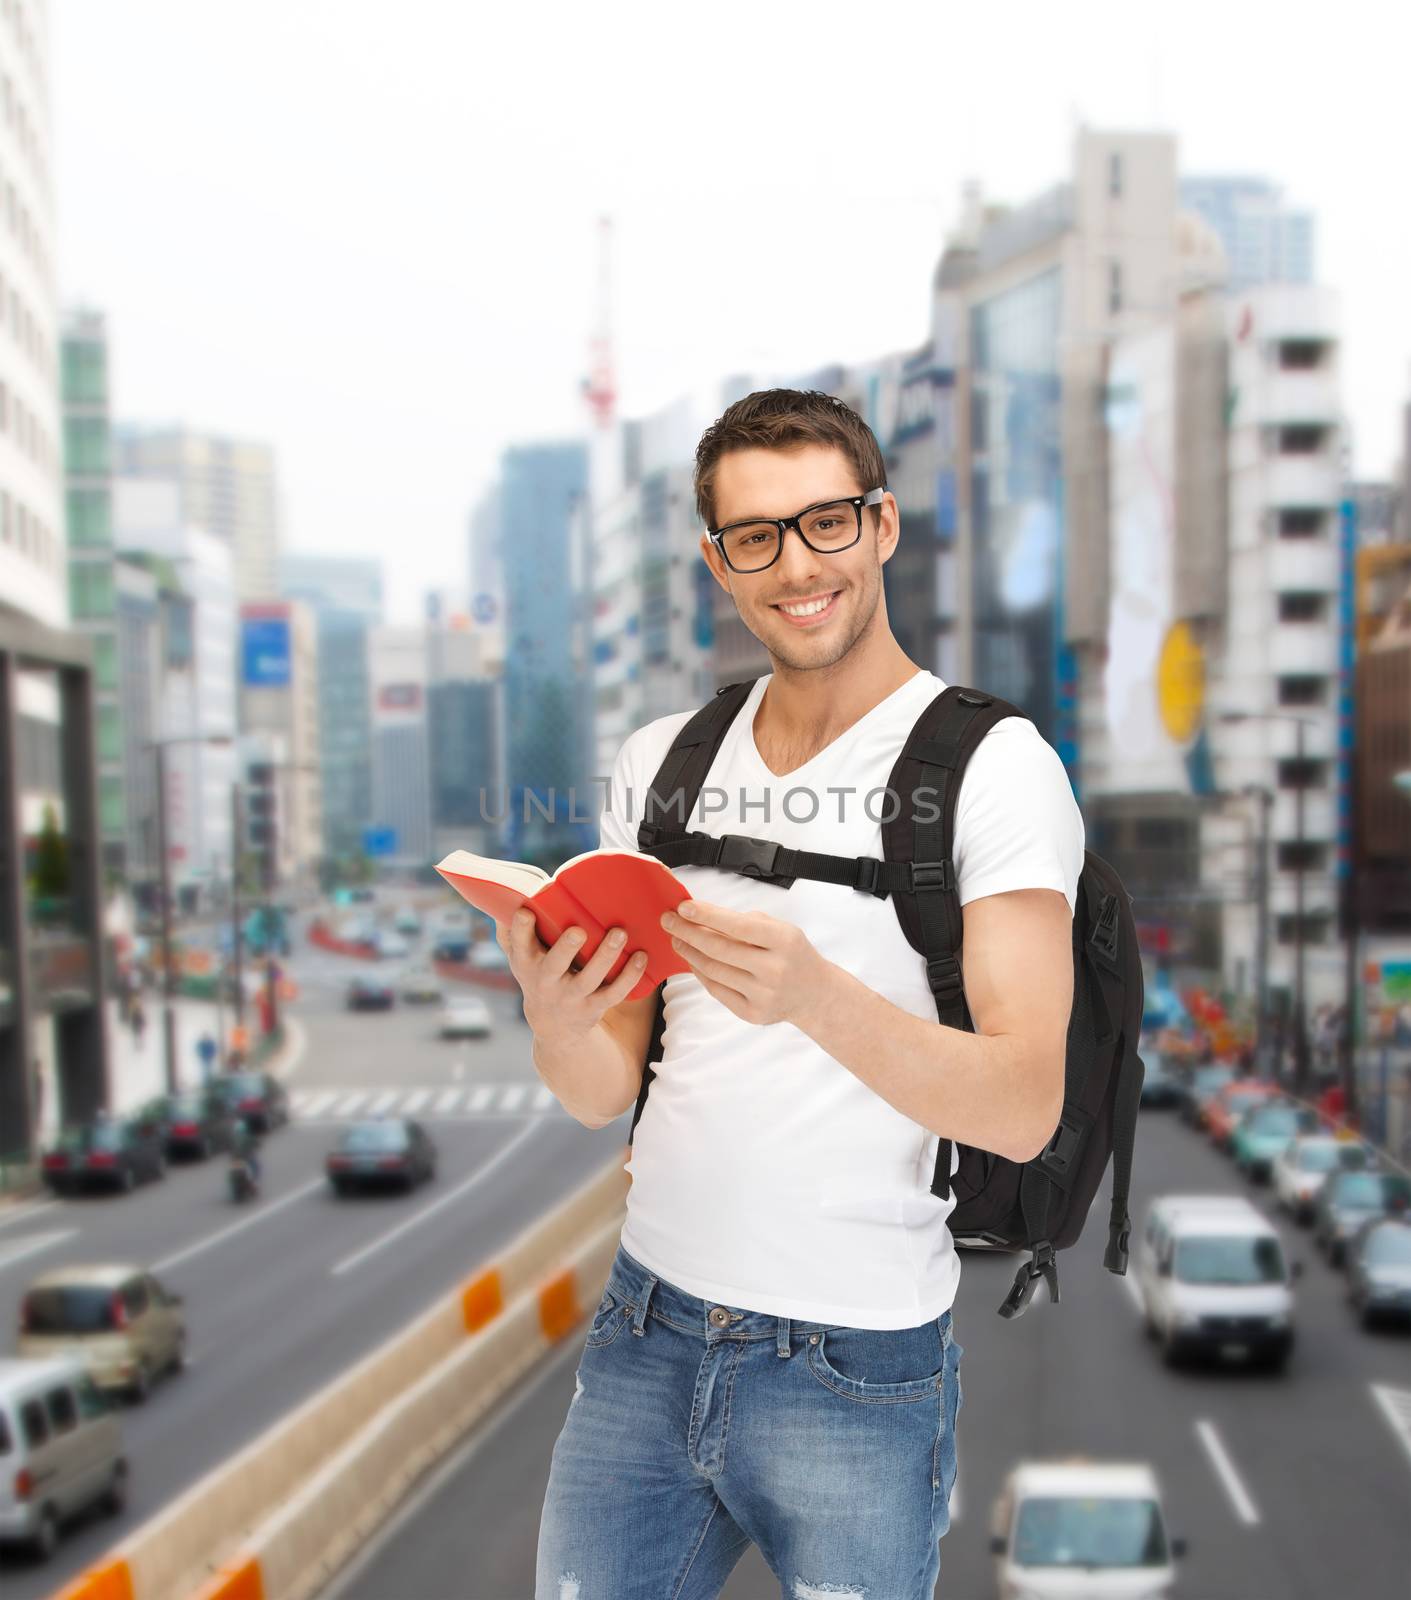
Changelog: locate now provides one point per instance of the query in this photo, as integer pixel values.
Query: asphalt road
(1286, 1487)
(282, 1295)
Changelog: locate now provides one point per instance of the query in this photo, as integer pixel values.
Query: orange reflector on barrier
(558, 1305)
(482, 1299)
(241, 1581)
(111, 1581)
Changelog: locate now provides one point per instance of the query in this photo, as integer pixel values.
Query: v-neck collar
(751, 710)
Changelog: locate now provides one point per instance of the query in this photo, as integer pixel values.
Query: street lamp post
(164, 870)
(1265, 797)
(1300, 1032)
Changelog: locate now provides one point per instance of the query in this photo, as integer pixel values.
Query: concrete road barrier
(280, 1516)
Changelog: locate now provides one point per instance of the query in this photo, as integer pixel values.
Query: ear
(888, 528)
(716, 562)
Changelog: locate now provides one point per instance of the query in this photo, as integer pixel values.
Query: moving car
(466, 1018)
(1304, 1166)
(1225, 1108)
(60, 1451)
(1160, 1085)
(368, 992)
(197, 1123)
(420, 985)
(123, 1324)
(1379, 1270)
(1263, 1132)
(257, 1097)
(1204, 1083)
(1349, 1199)
(1214, 1281)
(1081, 1528)
(114, 1154)
(381, 1151)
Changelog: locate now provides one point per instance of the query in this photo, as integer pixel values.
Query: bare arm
(590, 1040)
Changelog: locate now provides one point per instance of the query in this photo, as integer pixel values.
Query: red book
(598, 890)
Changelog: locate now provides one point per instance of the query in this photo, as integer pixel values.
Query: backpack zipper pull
(1041, 1265)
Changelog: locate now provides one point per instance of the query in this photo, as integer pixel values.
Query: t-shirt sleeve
(620, 812)
(1017, 823)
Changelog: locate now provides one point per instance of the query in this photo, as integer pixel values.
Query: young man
(774, 1359)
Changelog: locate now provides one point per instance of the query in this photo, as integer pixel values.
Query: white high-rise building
(147, 516)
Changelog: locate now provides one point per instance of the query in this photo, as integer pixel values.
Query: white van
(60, 1450)
(1214, 1280)
(1082, 1530)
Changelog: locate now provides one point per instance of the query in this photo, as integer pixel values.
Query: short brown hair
(784, 419)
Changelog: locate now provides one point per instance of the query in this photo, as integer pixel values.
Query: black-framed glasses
(828, 527)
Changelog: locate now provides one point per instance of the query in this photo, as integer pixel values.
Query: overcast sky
(365, 232)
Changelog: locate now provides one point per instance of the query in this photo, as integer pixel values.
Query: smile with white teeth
(808, 608)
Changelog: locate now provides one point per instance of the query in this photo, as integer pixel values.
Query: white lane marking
(348, 1104)
(511, 1096)
(481, 1097)
(309, 1104)
(383, 1102)
(447, 1098)
(543, 1098)
(349, 1262)
(1128, 1280)
(415, 1101)
(1395, 1406)
(222, 1234)
(23, 1213)
(27, 1245)
(1225, 1471)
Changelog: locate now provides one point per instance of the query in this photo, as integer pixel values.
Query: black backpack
(1039, 1205)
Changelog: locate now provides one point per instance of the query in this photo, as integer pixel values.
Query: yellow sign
(1180, 682)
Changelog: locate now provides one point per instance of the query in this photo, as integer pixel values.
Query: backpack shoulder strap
(926, 781)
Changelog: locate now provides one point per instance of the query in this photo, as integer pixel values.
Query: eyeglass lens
(749, 546)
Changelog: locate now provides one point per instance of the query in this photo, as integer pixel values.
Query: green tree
(51, 860)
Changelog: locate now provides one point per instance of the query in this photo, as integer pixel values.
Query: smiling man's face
(778, 483)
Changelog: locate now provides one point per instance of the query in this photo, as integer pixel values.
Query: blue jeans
(698, 1428)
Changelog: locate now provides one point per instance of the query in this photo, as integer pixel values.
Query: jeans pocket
(608, 1319)
(880, 1365)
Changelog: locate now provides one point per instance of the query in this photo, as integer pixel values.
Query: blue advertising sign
(264, 652)
(379, 841)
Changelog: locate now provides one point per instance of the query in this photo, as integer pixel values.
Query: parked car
(466, 1018)
(1160, 1085)
(406, 921)
(380, 1151)
(390, 945)
(1263, 1132)
(61, 1451)
(452, 947)
(116, 1153)
(119, 1319)
(487, 956)
(1213, 1280)
(1379, 1270)
(197, 1123)
(421, 986)
(368, 992)
(1225, 1108)
(1082, 1528)
(1304, 1166)
(257, 1097)
(1349, 1199)
(1202, 1085)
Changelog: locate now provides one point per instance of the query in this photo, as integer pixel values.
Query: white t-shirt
(766, 1175)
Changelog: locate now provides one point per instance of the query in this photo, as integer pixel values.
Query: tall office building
(401, 765)
(1265, 241)
(199, 703)
(226, 487)
(53, 1053)
(345, 596)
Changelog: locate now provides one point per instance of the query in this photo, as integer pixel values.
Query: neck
(821, 702)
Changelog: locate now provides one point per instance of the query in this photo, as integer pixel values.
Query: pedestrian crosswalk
(430, 1104)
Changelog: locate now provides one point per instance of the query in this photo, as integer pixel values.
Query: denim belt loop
(783, 1348)
(640, 1315)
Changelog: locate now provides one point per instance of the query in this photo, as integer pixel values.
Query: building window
(1309, 773)
(1114, 287)
(1302, 606)
(1114, 174)
(91, 590)
(1315, 928)
(1300, 689)
(1310, 854)
(105, 661)
(1300, 439)
(1301, 522)
(1299, 355)
(86, 445)
(89, 518)
(85, 377)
